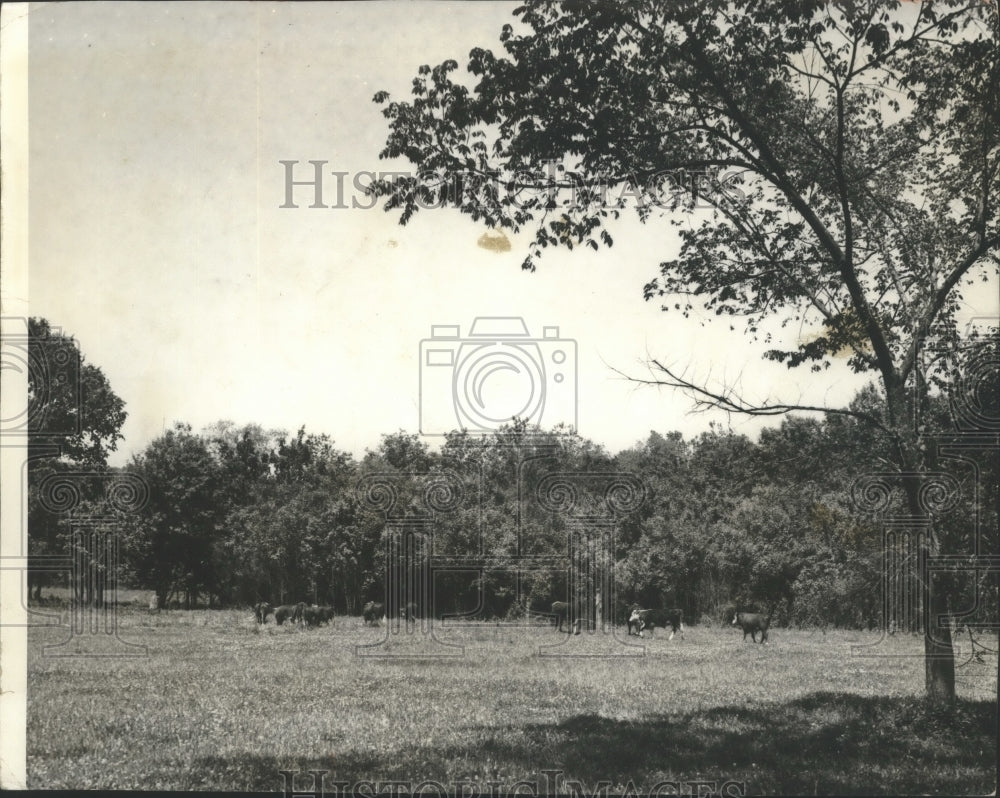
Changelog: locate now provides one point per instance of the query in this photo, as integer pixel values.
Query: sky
(157, 238)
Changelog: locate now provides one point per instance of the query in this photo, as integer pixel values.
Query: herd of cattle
(638, 619)
(296, 613)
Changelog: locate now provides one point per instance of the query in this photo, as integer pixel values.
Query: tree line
(235, 514)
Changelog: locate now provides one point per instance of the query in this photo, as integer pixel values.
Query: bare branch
(731, 402)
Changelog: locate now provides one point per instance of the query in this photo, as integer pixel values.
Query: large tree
(170, 546)
(848, 152)
(74, 422)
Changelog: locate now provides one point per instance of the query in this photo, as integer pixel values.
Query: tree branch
(729, 402)
(938, 300)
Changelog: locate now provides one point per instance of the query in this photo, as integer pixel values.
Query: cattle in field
(289, 612)
(372, 611)
(409, 611)
(631, 620)
(261, 610)
(640, 620)
(560, 614)
(314, 616)
(751, 623)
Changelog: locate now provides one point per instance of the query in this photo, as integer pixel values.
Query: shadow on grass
(824, 743)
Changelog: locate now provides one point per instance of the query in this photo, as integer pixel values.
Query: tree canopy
(849, 153)
(829, 164)
(70, 401)
(74, 423)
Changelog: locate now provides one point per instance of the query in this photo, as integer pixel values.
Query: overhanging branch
(730, 402)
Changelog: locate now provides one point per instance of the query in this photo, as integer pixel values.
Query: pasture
(221, 704)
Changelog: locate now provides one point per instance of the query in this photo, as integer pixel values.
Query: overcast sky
(156, 236)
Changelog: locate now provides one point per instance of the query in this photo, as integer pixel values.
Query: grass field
(220, 704)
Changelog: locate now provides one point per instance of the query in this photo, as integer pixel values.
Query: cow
(560, 614)
(372, 611)
(289, 612)
(408, 611)
(314, 616)
(640, 619)
(261, 610)
(751, 623)
(631, 619)
(283, 613)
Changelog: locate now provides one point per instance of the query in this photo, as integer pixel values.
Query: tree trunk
(939, 664)
(939, 655)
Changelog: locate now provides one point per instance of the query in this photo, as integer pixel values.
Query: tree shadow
(825, 743)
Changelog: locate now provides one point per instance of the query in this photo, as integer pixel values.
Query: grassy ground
(218, 703)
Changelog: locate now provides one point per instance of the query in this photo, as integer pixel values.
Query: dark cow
(283, 613)
(640, 619)
(408, 611)
(631, 620)
(751, 623)
(372, 611)
(261, 610)
(289, 612)
(560, 613)
(314, 616)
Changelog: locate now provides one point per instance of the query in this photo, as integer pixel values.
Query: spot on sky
(494, 241)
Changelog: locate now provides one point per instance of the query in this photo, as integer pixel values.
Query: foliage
(74, 423)
(848, 155)
(170, 545)
(723, 523)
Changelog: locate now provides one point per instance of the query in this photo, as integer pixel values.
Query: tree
(290, 532)
(244, 458)
(74, 423)
(860, 143)
(170, 546)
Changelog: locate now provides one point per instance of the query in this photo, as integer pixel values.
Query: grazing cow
(751, 623)
(372, 611)
(641, 619)
(283, 613)
(314, 616)
(631, 619)
(560, 612)
(289, 612)
(261, 610)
